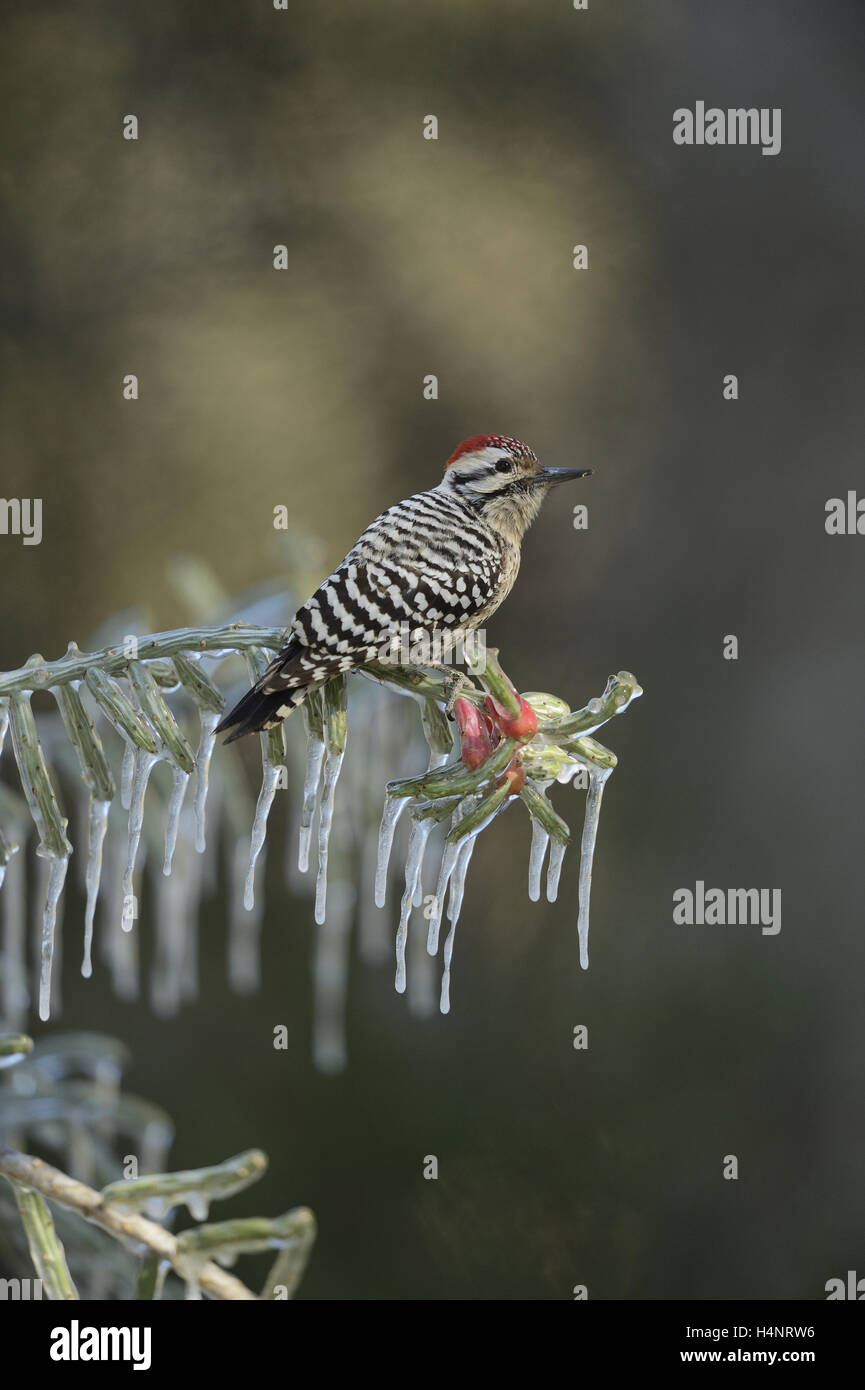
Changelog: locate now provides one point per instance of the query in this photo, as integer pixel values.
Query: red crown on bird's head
(495, 441)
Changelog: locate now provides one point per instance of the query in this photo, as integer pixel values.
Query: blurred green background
(304, 387)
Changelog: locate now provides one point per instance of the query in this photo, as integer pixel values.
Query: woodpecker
(441, 561)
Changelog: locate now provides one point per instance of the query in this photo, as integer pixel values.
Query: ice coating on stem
(179, 782)
(127, 774)
(4, 723)
(332, 767)
(315, 749)
(207, 742)
(56, 878)
(393, 809)
(597, 778)
(97, 826)
(144, 762)
(269, 783)
(537, 853)
(554, 869)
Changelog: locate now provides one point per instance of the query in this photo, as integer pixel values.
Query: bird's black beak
(560, 475)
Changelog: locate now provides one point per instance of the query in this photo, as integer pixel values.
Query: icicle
(209, 721)
(554, 869)
(210, 858)
(175, 915)
(161, 1271)
(373, 931)
(179, 784)
(402, 937)
(14, 997)
(98, 824)
(269, 783)
(56, 879)
(458, 882)
(198, 1205)
(56, 1005)
(156, 1141)
(420, 833)
(314, 759)
(540, 840)
(119, 948)
(597, 778)
(144, 762)
(127, 774)
(417, 844)
(332, 766)
(375, 733)
(450, 854)
(455, 902)
(244, 972)
(192, 1268)
(4, 723)
(393, 809)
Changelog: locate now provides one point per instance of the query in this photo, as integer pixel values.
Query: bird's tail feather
(260, 709)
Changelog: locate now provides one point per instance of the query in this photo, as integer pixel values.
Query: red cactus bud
(515, 773)
(475, 744)
(522, 726)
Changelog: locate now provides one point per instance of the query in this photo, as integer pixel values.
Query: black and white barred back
(439, 562)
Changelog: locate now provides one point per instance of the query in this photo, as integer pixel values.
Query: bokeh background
(304, 387)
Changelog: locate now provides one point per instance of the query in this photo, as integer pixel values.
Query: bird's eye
(503, 465)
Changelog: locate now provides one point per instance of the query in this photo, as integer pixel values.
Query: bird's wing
(416, 585)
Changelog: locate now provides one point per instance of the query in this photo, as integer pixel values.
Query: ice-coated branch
(195, 1187)
(39, 674)
(510, 746)
(87, 1112)
(127, 1227)
(501, 746)
(287, 1269)
(14, 1047)
(46, 1249)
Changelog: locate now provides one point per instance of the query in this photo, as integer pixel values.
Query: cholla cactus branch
(13, 1048)
(46, 1250)
(195, 1187)
(287, 1269)
(508, 745)
(82, 1113)
(39, 674)
(58, 1187)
